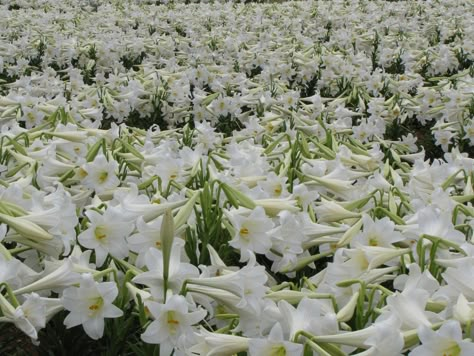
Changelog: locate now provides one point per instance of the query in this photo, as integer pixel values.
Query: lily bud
(274, 206)
(167, 236)
(26, 228)
(64, 276)
(346, 313)
(183, 214)
(330, 211)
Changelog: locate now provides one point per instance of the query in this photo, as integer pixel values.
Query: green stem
(306, 261)
(11, 295)
(106, 272)
(319, 350)
(18, 250)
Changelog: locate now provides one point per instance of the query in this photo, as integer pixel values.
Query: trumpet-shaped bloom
(247, 283)
(447, 341)
(148, 236)
(178, 271)
(410, 307)
(133, 205)
(173, 323)
(323, 320)
(435, 223)
(416, 280)
(9, 269)
(329, 211)
(274, 186)
(99, 174)
(385, 328)
(274, 345)
(463, 311)
(386, 338)
(252, 233)
(377, 233)
(460, 280)
(287, 240)
(218, 344)
(28, 317)
(106, 234)
(89, 304)
(62, 276)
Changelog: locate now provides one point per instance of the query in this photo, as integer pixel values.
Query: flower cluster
(279, 203)
(355, 66)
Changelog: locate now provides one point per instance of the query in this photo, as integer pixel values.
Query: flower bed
(216, 179)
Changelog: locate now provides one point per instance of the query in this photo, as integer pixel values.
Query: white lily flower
(251, 232)
(63, 276)
(448, 340)
(89, 304)
(26, 228)
(29, 317)
(178, 271)
(100, 174)
(106, 234)
(463, 311)
(329, 211)
(248, 283)
(274, 344)
(172, 323)
(215, 344)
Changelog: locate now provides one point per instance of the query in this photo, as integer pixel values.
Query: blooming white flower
(218, 344)
(416, 280)
(62, 276)
(463, 311)
(469, 128)
(377, 233)
(274, 344)
(323, 320)
(448, 340)
(385, 328)
(287, 240)
(325, 94)
(29, 317)
(178, 271)
(89, 304)
(330, 211)
(274, 186)
(172, 323)
(100, 174)
(443, 138)
(248, 283)
(106, 234)
(459, 280)
(387, 337)
(147, 236)
(409, 307)
(436, 223)
(9, 269)
(252, 232)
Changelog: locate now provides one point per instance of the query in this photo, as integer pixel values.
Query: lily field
(225, 178)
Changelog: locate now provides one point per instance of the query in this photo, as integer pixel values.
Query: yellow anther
(103, 177)
(244, 231)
